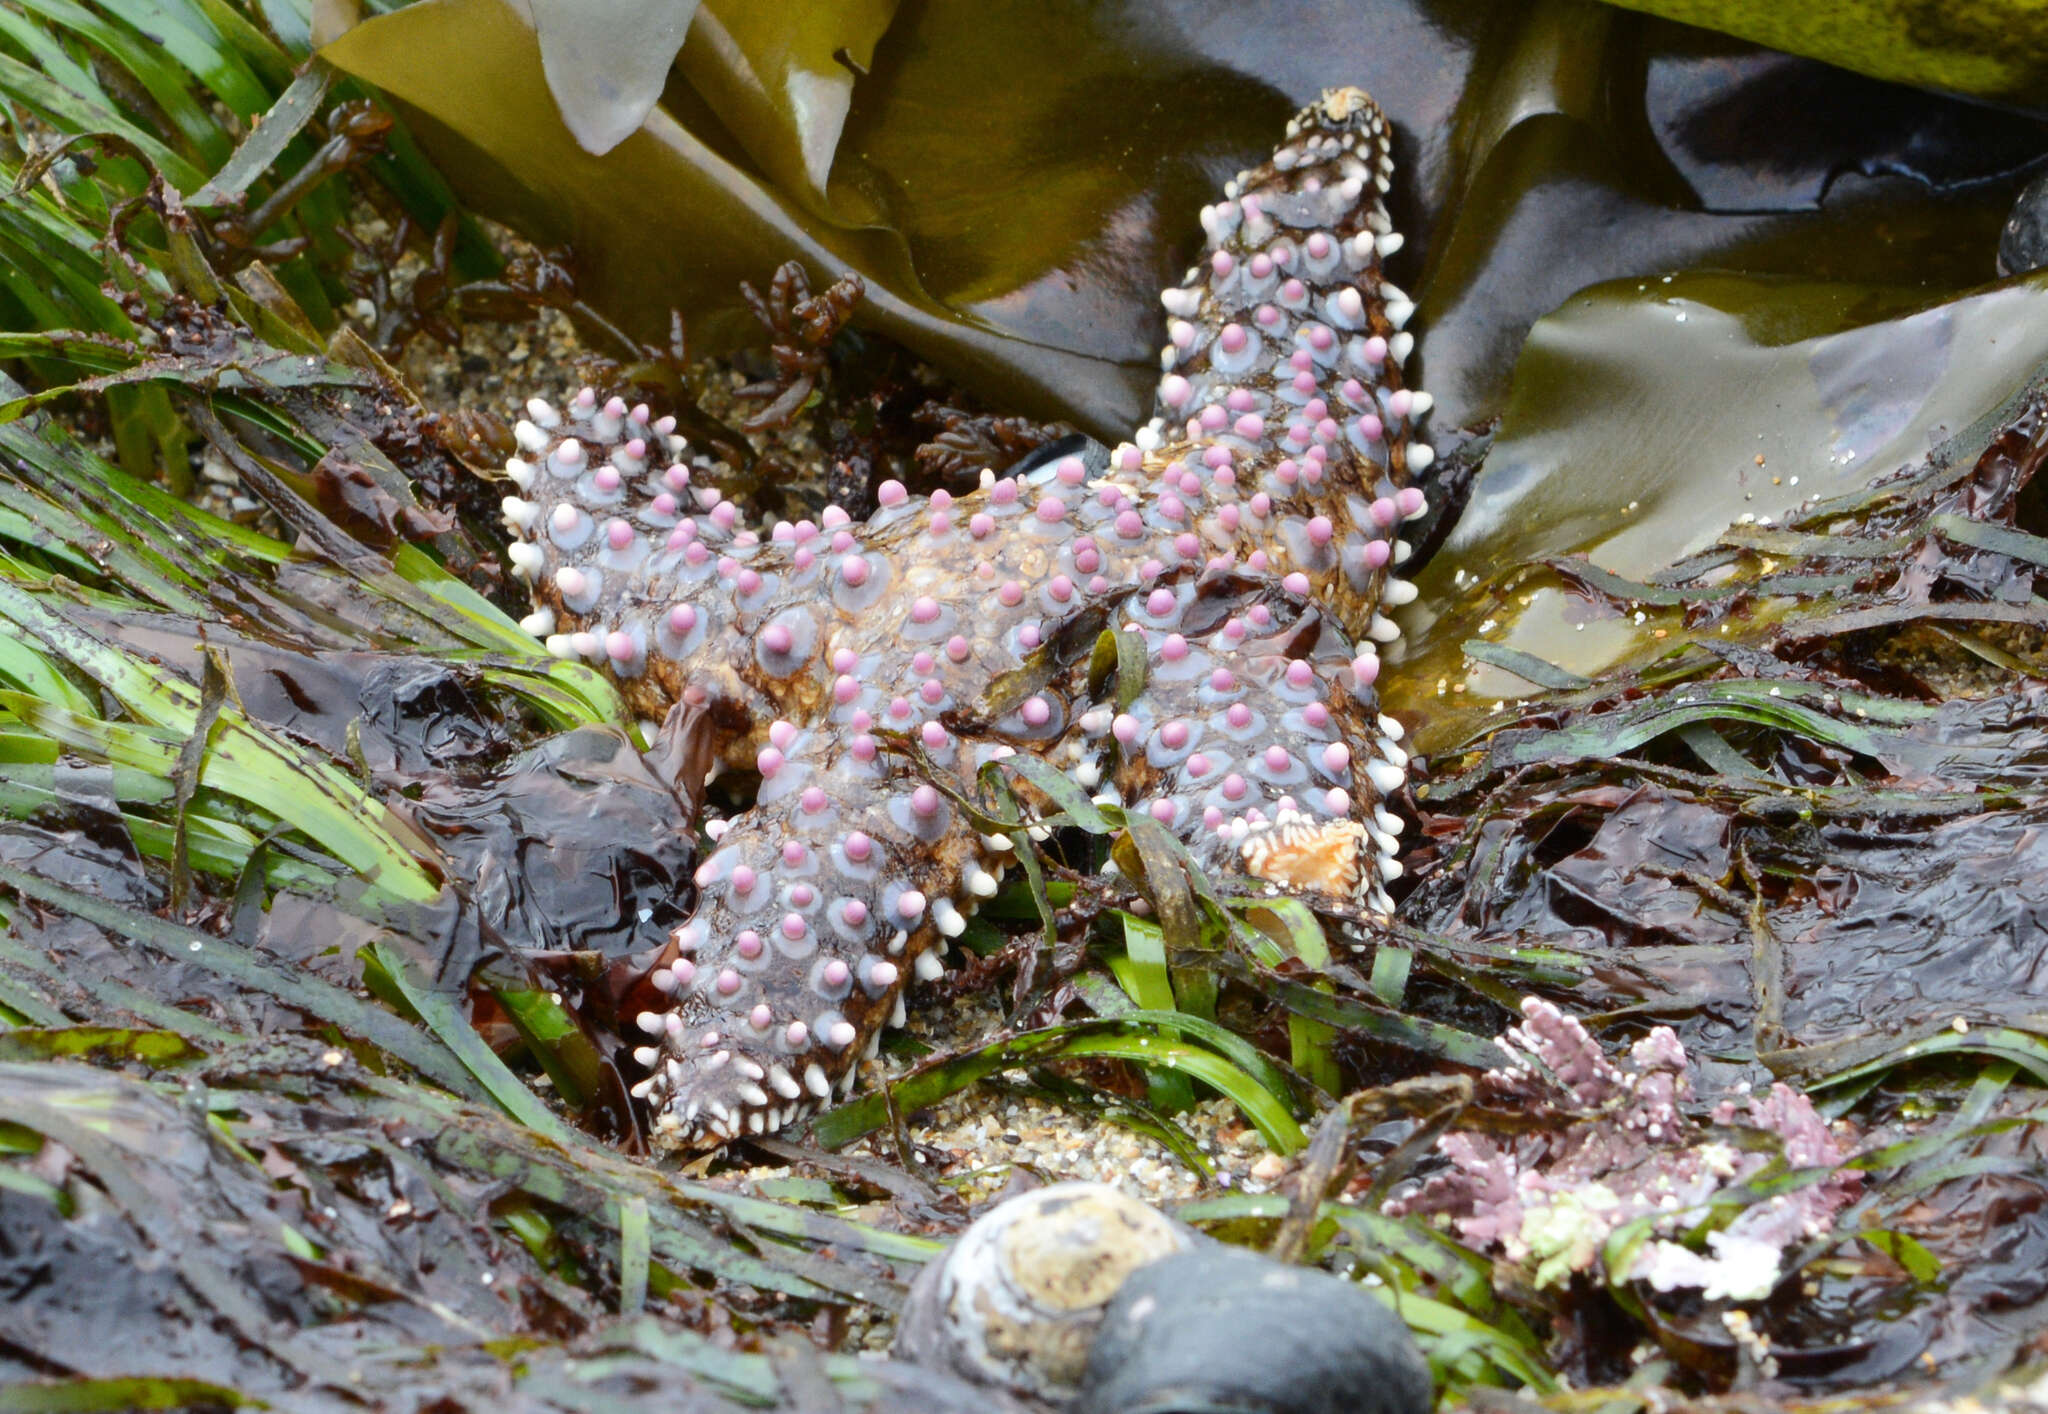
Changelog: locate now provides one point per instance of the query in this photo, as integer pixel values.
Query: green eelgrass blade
(440, 1014)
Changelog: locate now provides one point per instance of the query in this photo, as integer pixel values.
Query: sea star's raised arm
(1249, 529)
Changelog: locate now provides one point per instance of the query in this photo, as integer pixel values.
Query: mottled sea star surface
(1248, 536)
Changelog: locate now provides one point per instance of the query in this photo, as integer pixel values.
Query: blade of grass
(635, 1252)
(442, 1017)
(1234, 1067)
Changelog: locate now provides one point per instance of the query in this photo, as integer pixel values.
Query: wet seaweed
(1782, 836)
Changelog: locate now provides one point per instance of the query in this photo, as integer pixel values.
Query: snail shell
(1018, 1299)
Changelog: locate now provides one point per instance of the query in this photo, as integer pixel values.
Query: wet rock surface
(1219, 1328)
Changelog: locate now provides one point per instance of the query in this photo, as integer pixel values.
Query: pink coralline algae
(1615, 1145)
(1246, 540)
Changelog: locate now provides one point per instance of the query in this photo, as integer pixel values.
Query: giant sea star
(1246, 534)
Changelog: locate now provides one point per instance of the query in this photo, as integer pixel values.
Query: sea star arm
(845, 879)
(1258, 738)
